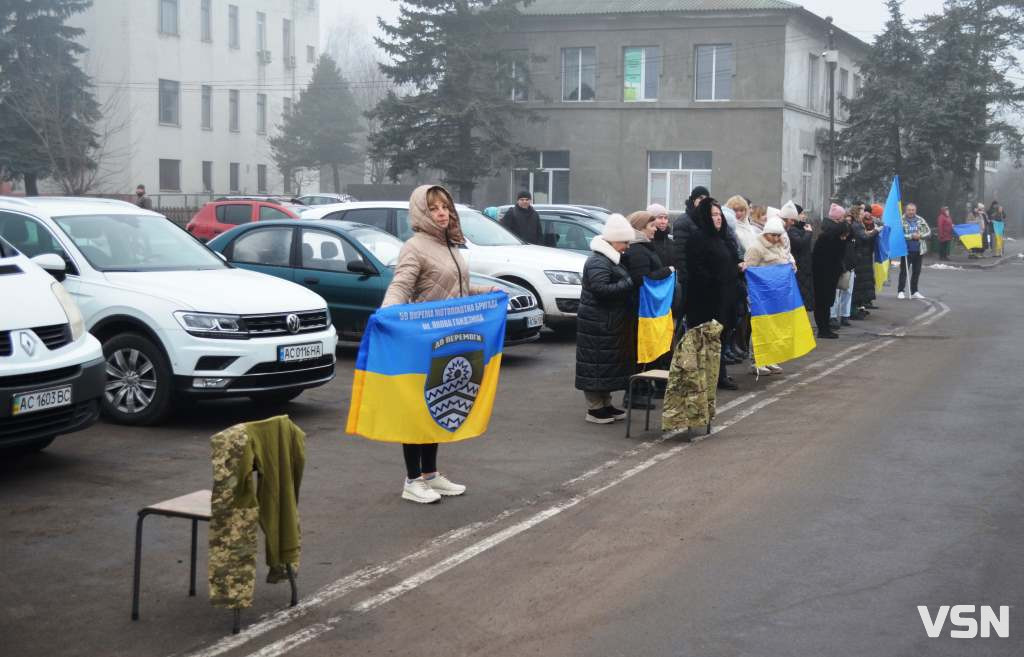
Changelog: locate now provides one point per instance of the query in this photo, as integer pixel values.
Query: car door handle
(311, 281)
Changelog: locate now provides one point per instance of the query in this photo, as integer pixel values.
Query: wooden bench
(652, 376)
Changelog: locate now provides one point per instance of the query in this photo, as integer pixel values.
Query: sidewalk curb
(977, 265)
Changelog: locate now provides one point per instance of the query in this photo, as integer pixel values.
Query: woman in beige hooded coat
(430, 268)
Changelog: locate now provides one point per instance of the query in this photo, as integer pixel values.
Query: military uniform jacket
(693, 379)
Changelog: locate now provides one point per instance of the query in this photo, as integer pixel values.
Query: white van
(51, 369)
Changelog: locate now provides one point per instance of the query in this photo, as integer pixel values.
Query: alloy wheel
(131, 380)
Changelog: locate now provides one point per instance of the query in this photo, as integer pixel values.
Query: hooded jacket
(605, 322)
(643, 260)
(800, 246)
(712, 272)
(525, 224)
(430, 267)
(764, 253)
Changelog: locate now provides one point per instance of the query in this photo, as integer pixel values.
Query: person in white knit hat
(769, 250)
(606, 322)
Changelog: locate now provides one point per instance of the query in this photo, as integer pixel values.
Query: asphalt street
(882, 472)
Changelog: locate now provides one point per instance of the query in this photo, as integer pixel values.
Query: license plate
(40, 400)
(534, 321)
(295, 352)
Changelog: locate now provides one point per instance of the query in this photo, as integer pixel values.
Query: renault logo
(28, 343)
(293, 323)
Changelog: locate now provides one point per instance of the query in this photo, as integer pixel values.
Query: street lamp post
(832, 59)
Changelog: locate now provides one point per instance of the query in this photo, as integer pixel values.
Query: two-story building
(193, 89)
(642, 100)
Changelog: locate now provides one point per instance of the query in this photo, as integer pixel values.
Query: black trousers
(824, 297)
(913, 260)
(419, 459)
(944, 250)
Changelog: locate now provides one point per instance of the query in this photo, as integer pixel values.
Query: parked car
(219, 216)
(553, 276)
(351, 265)
(52, 371)
(324, 198)
(568, 227)
(174, 319)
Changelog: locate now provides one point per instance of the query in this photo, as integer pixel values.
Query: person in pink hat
(827, 264)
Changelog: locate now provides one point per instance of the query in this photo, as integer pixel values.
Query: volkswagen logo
(293, 323)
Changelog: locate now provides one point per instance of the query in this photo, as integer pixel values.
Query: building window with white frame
(233, 182)
(206, 21)
(170, 96)
(261, 113)
(857, 84)
(170, 175)
(287, 46)
(672, 175)
(206, 109)
(310, 55)
(513, 75)
(807, 182)
(641, 70)
(261, 178)
(233, 37)
(233, 110)
(169, 17)
(813, 72)
(545, 174)
(207, 176)
(714, 68)
(261, 34)
(579, 74)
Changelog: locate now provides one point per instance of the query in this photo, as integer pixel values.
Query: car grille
(274, 367)
(309, 373)
(36, 379)
(48, 423)
(5, 343)
(54, 337)
(522, 302)
(260, 326)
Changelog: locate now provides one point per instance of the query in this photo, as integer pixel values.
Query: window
(856, 85)
(310, 54)
(715, 67)
(579, 74)
(565, 234)
(286, 107)
(844, 83)
(672, 174)
(372, 216)
(813, 69)
(233, 110)
(641, 71)
(288, 50)
(513, 75)
(169, 17)
(206, 21)
(233, 26)
(170, 175)
(169, 96)
(545, 175)
(806, 182)
(326, 251)
(261, 32)
(207, 107)
(268, 212)
(261, 113)
(30, 237)
(207, 176)
(233, 177)
(264, 246)
(235, 214)
(261, 186)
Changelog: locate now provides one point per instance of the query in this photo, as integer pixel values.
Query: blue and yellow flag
(654, 328)
(969, 234)
(1000, 229)
(428, 372)
(780, 328)
(892, 217)
(881, 260)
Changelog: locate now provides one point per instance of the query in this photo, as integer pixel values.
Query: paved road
(883, 472)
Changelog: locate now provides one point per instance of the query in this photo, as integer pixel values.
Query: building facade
(642, 100)
(193, 89)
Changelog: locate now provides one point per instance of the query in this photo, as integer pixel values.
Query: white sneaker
(441, 485)
(774, 368)
(760, 371)
(901, 295)
(417, 490)
(917, 295)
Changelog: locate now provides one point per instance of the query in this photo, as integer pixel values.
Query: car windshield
(136, 243)
(483, 232)
(384, 246)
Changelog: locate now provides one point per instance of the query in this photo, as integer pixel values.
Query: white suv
(174, 318)
(51, 370)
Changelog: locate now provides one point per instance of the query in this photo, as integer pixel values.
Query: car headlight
(211, 325)
(564, 277)
(75, 318)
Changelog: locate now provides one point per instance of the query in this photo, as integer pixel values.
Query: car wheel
(139, 386)
(275, 398)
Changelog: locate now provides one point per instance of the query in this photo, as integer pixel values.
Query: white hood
(528, 255)
(31, 285)
(228, 291)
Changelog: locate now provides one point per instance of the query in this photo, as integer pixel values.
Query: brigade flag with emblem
(428, 372)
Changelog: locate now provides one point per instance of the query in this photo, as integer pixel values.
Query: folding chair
(649, 375)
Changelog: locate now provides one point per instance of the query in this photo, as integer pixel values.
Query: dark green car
(350, 265)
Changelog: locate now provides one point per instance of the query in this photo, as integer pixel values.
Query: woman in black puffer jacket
(606, 322)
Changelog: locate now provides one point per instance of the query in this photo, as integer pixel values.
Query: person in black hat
(523, 221)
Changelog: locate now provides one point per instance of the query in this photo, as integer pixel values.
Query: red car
(218, 217)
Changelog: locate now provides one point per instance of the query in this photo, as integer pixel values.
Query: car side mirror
(52, 264)
(360, 267)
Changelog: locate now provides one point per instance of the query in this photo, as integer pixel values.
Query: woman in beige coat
(769, 249)
(430, 268)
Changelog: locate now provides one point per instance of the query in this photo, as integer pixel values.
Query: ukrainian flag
(428, 372)
(881, 260)
(892, 217)
(1000, 228)
(780, 328)
(969, 234)
(654, 328)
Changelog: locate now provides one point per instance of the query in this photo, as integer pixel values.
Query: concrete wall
(128, 55)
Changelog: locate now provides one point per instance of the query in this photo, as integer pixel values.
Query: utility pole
(832, 59)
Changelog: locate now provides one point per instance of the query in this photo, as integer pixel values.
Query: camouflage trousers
(693, 379)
